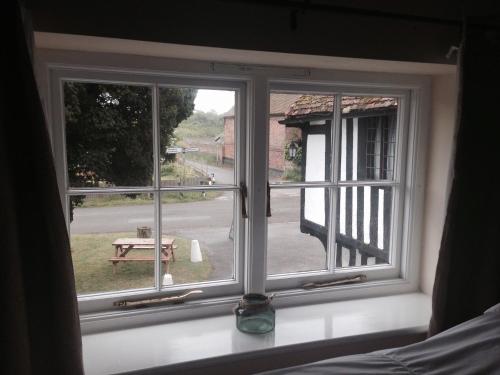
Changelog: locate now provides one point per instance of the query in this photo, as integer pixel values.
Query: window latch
(154, 301)
(343, 281)
(244, 195)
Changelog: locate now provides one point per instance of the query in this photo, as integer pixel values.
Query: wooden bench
(123, 246)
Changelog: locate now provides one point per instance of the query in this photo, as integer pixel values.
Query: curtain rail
(308, 5)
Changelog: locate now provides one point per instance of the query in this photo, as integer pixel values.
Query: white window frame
(257, 81)
(392, 270)
(103, 301)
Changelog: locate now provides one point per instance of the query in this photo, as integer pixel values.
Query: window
(334, 188)
(289, 182)
(367, 147)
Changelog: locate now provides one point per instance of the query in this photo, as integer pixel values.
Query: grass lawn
(94, 273)
(168, 171)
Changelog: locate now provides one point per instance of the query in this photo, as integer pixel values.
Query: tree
(109, 132)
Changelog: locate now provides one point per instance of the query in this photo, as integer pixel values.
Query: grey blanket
(472, 347)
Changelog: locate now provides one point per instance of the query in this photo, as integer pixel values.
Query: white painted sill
(208, 338)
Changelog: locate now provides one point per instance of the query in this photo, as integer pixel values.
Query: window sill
(358, 322)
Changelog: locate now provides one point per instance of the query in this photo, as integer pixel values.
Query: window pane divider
(334, 176)
(157, 184)
(201, 188)
(258, 140)
(326, 184)
(295, 275)
(368, 183)
(319, 184)
(111, 190)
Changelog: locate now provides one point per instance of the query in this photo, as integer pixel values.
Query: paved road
(209, 222)
(222, 175)
(225, 175)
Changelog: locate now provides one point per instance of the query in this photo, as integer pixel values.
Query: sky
(217, 100)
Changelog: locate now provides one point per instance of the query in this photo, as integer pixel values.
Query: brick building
(279, 135)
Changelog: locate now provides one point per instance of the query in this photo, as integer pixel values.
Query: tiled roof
(295, 106)
(320, 104)
(229, 113)
(310, 104)
(279, 104)
(366, 103)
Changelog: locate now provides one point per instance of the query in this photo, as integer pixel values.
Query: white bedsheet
(472, 347)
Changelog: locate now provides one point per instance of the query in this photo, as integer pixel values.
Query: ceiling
(420, 31)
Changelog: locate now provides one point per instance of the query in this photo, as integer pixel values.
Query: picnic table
(123, 246)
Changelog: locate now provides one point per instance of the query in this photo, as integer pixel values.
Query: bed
(472, 347)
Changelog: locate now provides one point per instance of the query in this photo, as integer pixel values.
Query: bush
(292, 174)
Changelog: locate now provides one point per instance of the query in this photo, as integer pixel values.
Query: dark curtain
(468, 271)
(40, 326)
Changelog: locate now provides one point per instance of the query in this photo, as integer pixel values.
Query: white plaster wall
(314, 206)
(142, 48)
(439, 168)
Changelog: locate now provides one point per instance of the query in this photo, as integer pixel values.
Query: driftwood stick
(345, 280)
(155, 301)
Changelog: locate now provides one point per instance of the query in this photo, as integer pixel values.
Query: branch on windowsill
(155, 301)
(343, 281)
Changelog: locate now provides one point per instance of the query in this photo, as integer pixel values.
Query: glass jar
(255, 314)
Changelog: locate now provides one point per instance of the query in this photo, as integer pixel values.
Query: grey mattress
(472, 347)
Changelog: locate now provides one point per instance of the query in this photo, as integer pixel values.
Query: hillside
(200, 125)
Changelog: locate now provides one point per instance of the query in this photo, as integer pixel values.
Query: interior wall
(278, 26)
(86, 43)
(440, 151)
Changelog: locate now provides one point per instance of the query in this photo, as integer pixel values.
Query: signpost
(182, 150)
(174, 150)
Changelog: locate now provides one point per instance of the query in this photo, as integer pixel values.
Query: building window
(164, 197)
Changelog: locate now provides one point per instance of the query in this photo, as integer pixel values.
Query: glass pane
(368, 138)
(299, 137)
(297, 230)
(364, 216)
(112, 242)
(108, 134)
(197, 136)
(201, 225)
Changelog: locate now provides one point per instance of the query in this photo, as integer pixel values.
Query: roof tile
(323, 104)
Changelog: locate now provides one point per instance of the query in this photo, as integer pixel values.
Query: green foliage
(169, 169)
(201, 125)
(297, 160)
(117, 200)
(176, 105)
(202, 157)
(176, 171)
(109, 131)
(292, 174)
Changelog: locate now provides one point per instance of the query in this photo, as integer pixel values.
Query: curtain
(40, 326)
(468, 272)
